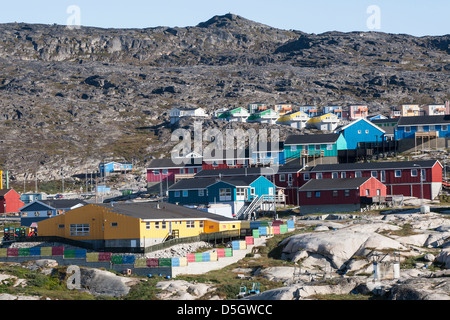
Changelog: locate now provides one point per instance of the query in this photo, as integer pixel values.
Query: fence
(259, 228)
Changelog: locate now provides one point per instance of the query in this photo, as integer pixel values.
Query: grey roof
(229, 172)
(150, 210)
(63, 203)
(168, 163)
(373, 165)
(202, 183)
(424, 120)
(333, 184)
(311, 139)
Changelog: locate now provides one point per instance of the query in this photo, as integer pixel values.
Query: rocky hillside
(70, 98)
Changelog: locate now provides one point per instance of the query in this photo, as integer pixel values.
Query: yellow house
(294, 119)
(133, 225)
(327, 121)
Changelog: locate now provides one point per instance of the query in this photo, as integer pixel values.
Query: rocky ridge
(70, 98)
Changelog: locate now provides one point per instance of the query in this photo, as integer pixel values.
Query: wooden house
(423, 127)
(400, 177)
(361, 130)
(337, 110)
(39, 210)
(325, 122)
(106, 168)
(315, 148)
(235, 191)
(338, 195)
(10, 201)
(177, 113)
(133, 226)
(436, 110)
(357, 112)
(296, 120)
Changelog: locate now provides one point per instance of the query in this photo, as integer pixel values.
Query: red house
(226, 159)
(400, 177)
(338, 195)
(10, 201)
(162, 173)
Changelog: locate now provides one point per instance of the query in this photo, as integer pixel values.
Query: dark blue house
(361, 130)
(438, 126)
(235, 191)
(39, 210)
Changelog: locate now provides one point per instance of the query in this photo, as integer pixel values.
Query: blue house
(30, 197)
(408, 127)
(39, 210)
(235, 191)
(361, 130)
(106, 168)
(266, 156)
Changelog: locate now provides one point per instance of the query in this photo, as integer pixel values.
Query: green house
(314, 145)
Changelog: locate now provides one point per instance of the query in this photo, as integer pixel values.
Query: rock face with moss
(70, 98)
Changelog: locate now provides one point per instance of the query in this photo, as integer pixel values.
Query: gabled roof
(63, 203)
(358, 120)
(168, 163)
(424, 120)
(203, 183)
(311, 139)
(161, 211)
(334, 184)
(229, 172)
(374, 165)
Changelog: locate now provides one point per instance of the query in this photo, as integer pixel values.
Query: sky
(414, 17)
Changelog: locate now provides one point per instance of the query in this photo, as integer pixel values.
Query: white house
(177, 113)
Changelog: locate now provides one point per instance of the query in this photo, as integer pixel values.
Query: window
(61, 226)
(318, 147)
(49, 213)
(432, 128)
(334, 175)
(317, 194)
(367, 192)
(282, 177)
(290, 179)
(190, 224)
(79, 230)
(113, 224)
(191, 170)
(252, 191)
(335, 193)
(182, 171)
(163, 225)
(383, 176)
(347, 193)
(367, 131)
(157, 225)
(201, 193)
(378, 192)
(413, 172)
(293, 148)
(359, 131)
(224, 194)
(36, 213)
(147, 225)
(343, 175)
(329, 147)
(201, 223)
(420, 128)
(444, 128)
(319, 175)
(240, 192)
(374, 174)
(156, 172)
(177, 194)
(306, 176)
(398, 173)
(165, 172)
(185, 193)
(358, 174)
(407, 129)
(423, 175)
(309, 194)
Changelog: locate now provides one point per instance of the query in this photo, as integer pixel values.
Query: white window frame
(414, 172)
(79, 229)
(398, 175)
(282, 177)
(374, 174)
(185, 193)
